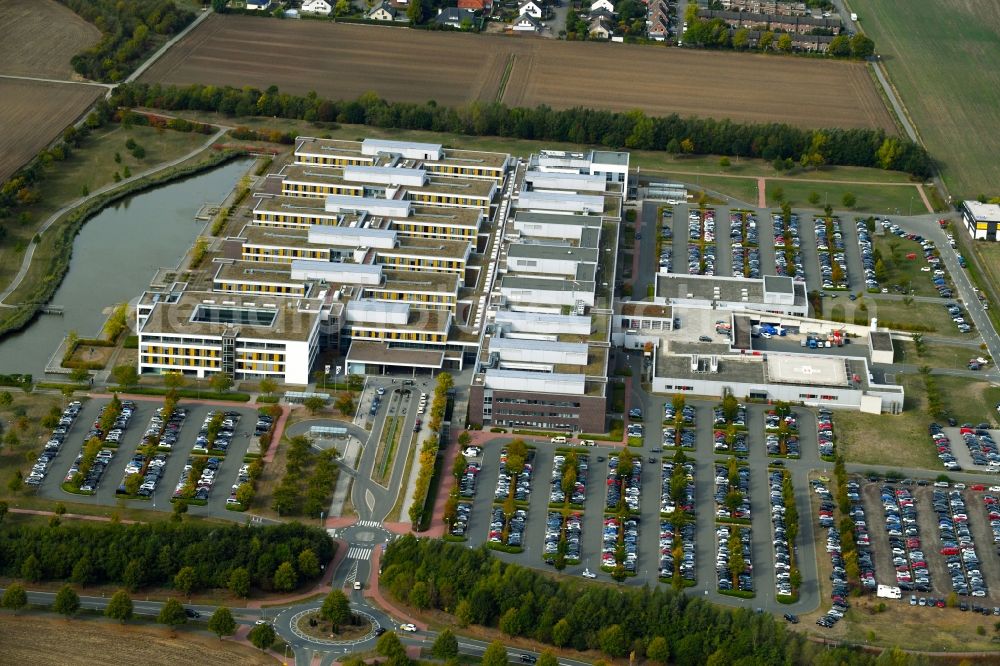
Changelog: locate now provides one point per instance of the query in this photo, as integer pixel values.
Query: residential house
(316, 7)
(383, 12)
(259, 5)
(606, 5)
(527, 23)
(801, 25)
(600, 28)
(601, 13)
(532, 8)
(454, 17)
(485, 6)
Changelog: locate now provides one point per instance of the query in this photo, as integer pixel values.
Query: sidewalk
(71, 516)
(375, 592)
(322, 587)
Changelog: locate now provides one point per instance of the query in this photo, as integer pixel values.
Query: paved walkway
(109, 86)
(762, 193)
(71, 516)
(26, 262)
(373, 591)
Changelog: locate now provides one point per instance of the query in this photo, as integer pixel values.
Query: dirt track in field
(40, 37)
(34, 113)
(343, 61)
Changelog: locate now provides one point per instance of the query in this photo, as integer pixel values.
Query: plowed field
(342, 61)
(40, 37)
(33, 113)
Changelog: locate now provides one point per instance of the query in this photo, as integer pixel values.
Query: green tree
(67, 601)
(132, 483)
(3, 511)
(613, 641)
(267, 386)
(174, 380)
(741, 39)
(262, 636)
(14, 597)
(724, 162)
(862, 46)
(445, 646)
(308, 563)
(345, 404)
(79, 375)
(888, 153)
(785, 43)
(547, 659)
(849, 200)
(314, 404)
(125, 376)
(336, 609)
(172, 614)
(658, 650)
(222, 623)
(840, 46)
(420, 596)
(6, 399)
(814, 198)
(463, 613)
(220, 382)
(185, 580)
(495, 655)
(342, 8)
(285, 578)
(120, 607)
(31, 569)
(415, 12)
(239, 582)
(389, 646)
(83, 571)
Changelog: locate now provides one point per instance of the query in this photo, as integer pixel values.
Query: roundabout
(304, 616)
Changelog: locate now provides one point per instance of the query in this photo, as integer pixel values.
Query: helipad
(803, 369)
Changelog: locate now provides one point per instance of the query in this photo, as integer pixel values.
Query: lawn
(92, 166)
(951, 91)
(743, 189)
(875, 198)
(936, 355)
(901, 271)
(968, 401)
(896, 312)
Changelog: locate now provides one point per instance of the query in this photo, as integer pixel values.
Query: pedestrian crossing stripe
(359, 553)
(369, 523)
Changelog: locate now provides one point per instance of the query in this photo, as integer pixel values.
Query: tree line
(616, 130)
(153, 554)
(660, 624)
(129, 32)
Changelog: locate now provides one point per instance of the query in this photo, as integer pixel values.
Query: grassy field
(91, 166)
(88, 640)
(344, 61)
(874, 198)
(901, 271)
(936, 355)
(928, 314)
(952, 91)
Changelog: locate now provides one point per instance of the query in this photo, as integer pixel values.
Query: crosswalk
(369, 523)
(359, 553)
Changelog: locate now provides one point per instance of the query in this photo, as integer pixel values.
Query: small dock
(51, 309)
(207, 212)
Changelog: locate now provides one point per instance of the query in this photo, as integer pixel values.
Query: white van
(559, 439)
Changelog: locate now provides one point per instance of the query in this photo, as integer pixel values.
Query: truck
(888, 592)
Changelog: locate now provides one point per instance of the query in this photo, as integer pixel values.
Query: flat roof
(294, 206)
(446, 249)
(881, 340)
(644, 309)
(778, 284)
(537, 345)
(610, 157)
(335, 175)
(702, 287)
(432, 321)
(256, 271)
(545, 284)
(800, 369)
(289, 323)
(382, 354)
(472, 158)
(545, 251)
(442, 215)
(983, 212)
(253, 234)
(418, 281)
(579, 220)
(309, 144)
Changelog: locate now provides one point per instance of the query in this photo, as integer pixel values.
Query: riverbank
(44, 274)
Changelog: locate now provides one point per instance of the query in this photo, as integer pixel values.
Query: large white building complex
(714, 336)
(373, 248)
(543, 362)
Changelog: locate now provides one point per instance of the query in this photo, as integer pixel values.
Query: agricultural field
(40, 37)
(29, 638)
(343, 61)
(952, 91)
(40, 111)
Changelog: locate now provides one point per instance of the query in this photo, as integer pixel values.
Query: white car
(472, 452)
(408, 627)
(587, 573)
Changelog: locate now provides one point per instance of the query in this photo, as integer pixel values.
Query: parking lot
(648, 540)
(226, 475)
